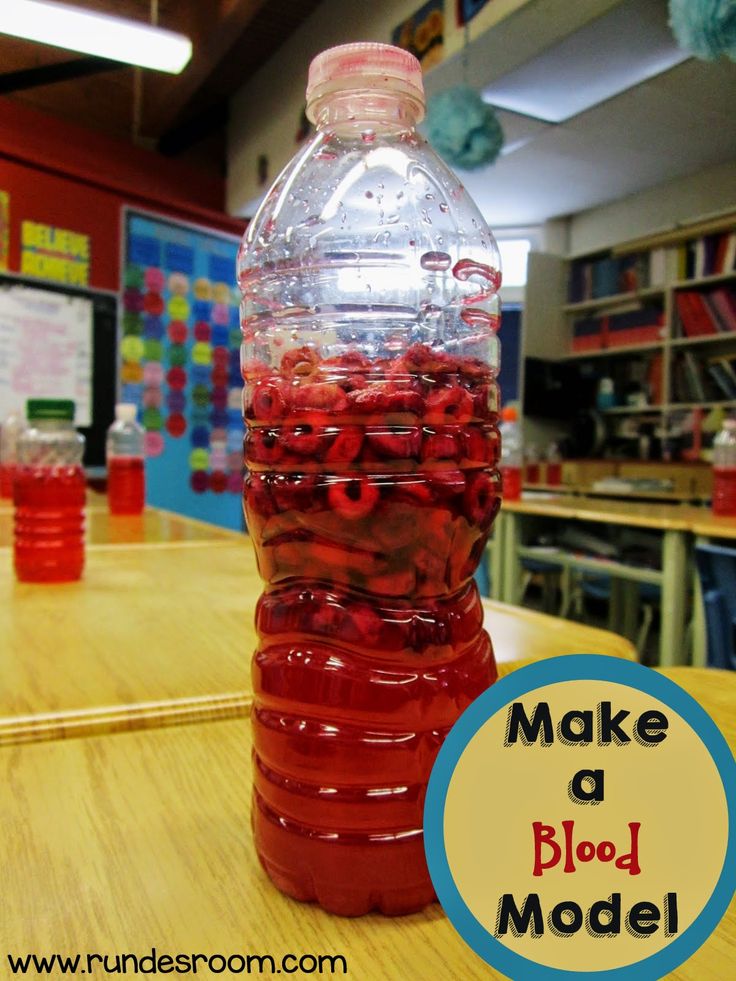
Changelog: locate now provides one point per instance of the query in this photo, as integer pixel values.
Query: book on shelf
(694, 377)
(709, 255)
(605, 275)
(721, 305)
(723, 374)
(695, 316)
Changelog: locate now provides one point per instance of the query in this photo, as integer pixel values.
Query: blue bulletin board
(180, 363)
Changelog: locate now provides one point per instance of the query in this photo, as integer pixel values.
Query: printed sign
(45, 349)
(580, 822)
(55, 254)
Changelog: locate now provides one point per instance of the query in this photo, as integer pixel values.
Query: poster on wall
(45, 349)
(180, 363)
(422, 34)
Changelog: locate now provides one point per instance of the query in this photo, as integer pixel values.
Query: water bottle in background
(369, 321)
(512, 454)
(124, 453)
(12, 426)
(49, 495)
(724, 469)
(554, 465)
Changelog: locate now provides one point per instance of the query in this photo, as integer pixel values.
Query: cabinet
(657, 316)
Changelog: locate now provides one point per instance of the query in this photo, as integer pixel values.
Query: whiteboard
(45, 349)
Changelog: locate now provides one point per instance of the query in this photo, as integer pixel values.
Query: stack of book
(641, 325)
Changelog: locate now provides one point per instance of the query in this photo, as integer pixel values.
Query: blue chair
(598, 586)
(717, 572)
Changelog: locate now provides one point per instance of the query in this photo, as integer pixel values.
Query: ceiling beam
(63, 71)
(219, 27)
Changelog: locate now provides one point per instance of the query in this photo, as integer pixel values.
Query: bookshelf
(657, 315)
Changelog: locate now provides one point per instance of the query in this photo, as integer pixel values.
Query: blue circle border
(575, 667)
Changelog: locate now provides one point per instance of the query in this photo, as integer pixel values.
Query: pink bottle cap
(364, 65)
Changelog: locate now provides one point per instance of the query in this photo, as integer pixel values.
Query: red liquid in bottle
(7, 472)
(49, 523)
(554, 474)
(724, 490)
(532, 473)
(126, 487)
(511, 483)
(369, 499)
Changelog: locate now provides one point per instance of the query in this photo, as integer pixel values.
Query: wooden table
(670, 519)
(121, 843)
(153, 527)
(161, 629)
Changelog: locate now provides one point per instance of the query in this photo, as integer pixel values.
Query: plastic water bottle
(369, 321)
(49, 490)
(13, 425)
(724, 469)
(126, 480)
(512, 454)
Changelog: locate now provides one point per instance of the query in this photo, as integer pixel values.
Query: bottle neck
(363, 111)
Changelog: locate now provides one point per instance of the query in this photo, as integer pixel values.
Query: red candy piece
(441, 444)
(347, 445)
(450, 404)
(294, 492)
(269, 401)
(398, 443)
(300, 362)
(480, 498)
(324, 397)
(353, 498)
(305, 440)
(264, 445)
(382, 398)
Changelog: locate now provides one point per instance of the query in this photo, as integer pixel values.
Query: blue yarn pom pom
(463, 129)
(705, 27)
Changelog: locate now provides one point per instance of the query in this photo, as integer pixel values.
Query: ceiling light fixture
(101, 35)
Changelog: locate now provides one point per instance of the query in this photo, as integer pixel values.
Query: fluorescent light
(611, 54)
(102, 35)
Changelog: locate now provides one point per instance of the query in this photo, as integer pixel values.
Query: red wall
(60, 174)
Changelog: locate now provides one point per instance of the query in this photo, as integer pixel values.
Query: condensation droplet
(368, 136)
(369, 194)
(444, 207)
(425, 217)
(429, 197)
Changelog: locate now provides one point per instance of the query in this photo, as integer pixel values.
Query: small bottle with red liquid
(512, 454)
(724, 470)
(12, 426)
(554, 465)
(125, 456)
(370, 355)
(532, 471)
(49, 495)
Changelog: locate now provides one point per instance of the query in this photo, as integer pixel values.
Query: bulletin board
(180, 363)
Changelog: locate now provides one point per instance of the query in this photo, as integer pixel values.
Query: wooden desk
(672, 520)
(521, 636)
(123, 843)
(153, 527)
(157, 633)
